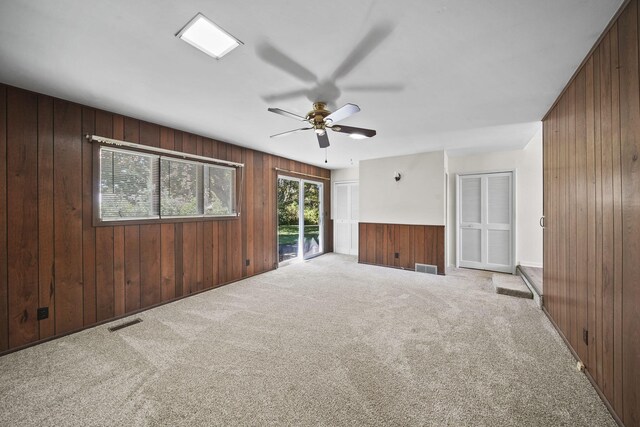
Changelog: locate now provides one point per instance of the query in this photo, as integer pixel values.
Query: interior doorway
(300, 219)
(486, 221)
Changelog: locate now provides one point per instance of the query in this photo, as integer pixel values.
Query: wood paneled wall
(592, 215)
(379, 243)
(51, 254)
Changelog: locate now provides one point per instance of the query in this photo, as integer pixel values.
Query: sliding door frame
(321, 220)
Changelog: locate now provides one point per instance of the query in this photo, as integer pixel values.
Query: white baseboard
(530, 264)
(524, 264)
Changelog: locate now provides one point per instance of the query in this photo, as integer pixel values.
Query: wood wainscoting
(401, 246)
(592, 216)
(52, 256)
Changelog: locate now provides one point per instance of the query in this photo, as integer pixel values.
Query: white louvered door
(485, 221)
(346, 218)
(470, 221)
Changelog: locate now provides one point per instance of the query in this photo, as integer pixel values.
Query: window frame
(232, 194)
(198, 195)
(98, 221)
(153, 157)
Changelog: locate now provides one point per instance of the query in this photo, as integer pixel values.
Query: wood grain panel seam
(140, 299)
(82, 242)
(37, 200)
(95, 239)
(5, 320)
(53, 213)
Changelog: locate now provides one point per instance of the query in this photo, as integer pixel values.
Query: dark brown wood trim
(4, 280)
(98, 223)
(586, 372)
(285, 172)
(158, 151)
(401, 245)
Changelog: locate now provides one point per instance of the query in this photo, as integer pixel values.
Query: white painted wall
(528, 166)
(346, 174)
(418, 198)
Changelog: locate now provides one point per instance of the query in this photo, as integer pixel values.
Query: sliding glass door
(311, 219)
(288, 219)
(299, 219)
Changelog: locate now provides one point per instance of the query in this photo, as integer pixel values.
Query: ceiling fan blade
(384, 87)
(323, 140)
(365, 133)
(373, 38)
(285, 95)
(286, 114)
(273, 56)
(342, 113)
(288, 132)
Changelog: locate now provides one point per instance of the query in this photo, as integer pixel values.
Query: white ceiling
(461, 75)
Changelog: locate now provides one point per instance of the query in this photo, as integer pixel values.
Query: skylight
(203, 34)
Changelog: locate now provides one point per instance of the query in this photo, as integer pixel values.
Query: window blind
(181, 184)
(128, 185)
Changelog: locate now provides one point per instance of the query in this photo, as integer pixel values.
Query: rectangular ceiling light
(203, 34)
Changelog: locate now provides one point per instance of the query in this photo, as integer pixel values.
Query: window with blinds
(181, 184)
(219, 193)
(139, 186)
(128, 185)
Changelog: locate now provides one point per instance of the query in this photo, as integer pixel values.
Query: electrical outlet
(585, 336)
(43, 313)
(397, 255)
(247, 262)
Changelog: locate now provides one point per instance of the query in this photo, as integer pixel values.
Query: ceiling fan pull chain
(325, 155)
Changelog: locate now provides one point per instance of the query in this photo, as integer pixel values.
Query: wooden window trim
(98, 222)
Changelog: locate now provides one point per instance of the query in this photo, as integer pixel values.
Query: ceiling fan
(320, 119)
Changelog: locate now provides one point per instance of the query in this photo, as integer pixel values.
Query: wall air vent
(125, 325)
(427, 268)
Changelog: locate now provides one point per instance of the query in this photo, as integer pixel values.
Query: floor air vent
(427, 268)
(124, 325)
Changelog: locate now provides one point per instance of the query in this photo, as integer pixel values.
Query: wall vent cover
(427, 268)
(125, 325)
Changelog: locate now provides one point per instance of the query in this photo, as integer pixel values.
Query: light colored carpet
(326, 342)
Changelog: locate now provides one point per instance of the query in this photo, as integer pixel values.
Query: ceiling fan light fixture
(205, 35)
(321, 119)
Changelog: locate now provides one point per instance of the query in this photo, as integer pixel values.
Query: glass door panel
(312, 216)
(300, 219)
(288, 219)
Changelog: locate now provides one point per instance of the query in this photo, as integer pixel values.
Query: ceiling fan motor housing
(317, 115)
